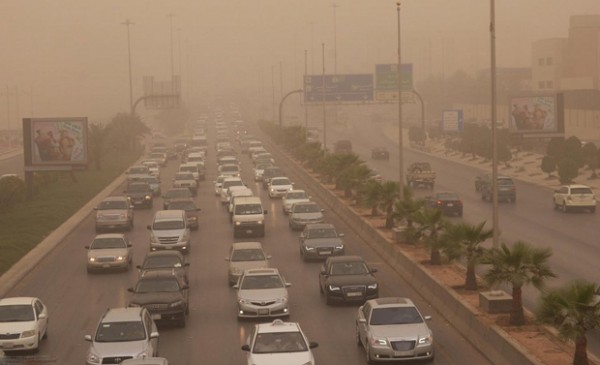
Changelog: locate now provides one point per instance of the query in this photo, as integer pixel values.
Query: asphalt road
(12, 163)
(213, 334)
(572, 237)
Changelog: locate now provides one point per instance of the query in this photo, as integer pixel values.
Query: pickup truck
(420, 173)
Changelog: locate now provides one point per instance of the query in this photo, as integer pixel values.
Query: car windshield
(274, 342)
(149, 180)
(262, 166)
(306, 208)
(447, 196)
(321, 233)
(296, 195)
(581, 191)
(157, 155)
(505, 182)
(273, 172)
(16, 313)
(229, 168)
(120, 332)
(113, 204)
(137, 188)
(189, 168)
(280, 182)
(227, 184)
(248, 254)
(349, 268)
(166, 225)
(107, 243)
(242, 209)
(395, 315)
(183, 193)
(157, 285)
(261, 282)
(138, 170)
(184, 177)
(161, 262)
(182, 205)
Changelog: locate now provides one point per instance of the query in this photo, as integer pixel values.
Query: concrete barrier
(491, 340)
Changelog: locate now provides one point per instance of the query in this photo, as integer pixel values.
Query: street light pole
(323, 100)
(273, 89)
(127, 23)
(495, 217)
(400, 137)
(335, 6)
(171, 15)
(305, 106)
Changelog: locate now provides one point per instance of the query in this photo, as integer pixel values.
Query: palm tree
(387, 199)
(574, 310)
(369, 195)
(353, 177)
(405, 209)
(463, 241)
(431, 225)
(518, 266)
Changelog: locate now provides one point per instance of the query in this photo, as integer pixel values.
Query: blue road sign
(338, 88)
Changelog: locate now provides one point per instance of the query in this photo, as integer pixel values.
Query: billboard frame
(545, 120)
(67, 151)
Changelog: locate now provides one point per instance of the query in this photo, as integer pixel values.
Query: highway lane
(12, 163)
(572, 237)
(213, 335)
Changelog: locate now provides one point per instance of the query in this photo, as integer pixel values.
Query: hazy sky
(73, 53)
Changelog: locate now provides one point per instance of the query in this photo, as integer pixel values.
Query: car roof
(345, 258)
(17, 301)
(577, 186)
(305, 203)
(146, 361)
(248, 200)
(124, 314)
(159, 274)
(163, 253)
(169, 214)
(110, 235)
(262, 271)
(278, 326)
(319, 226)
(245, 245)
(391, 302)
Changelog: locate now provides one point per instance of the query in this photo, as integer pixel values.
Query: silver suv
(114, 212)
(123, 333)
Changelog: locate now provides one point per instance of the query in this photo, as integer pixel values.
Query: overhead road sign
(386, 81)
(338, 88)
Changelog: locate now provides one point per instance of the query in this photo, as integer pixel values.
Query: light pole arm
(422, 109)
(281, 104)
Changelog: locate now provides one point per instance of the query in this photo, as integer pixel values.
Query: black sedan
(380, 153)
(449, 203)
(347, 279)
(319, 241)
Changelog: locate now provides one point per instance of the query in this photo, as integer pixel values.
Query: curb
(23, 267)
(491, 341)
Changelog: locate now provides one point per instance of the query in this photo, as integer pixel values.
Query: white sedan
(23, 323)
(291, 197)
(278, 186)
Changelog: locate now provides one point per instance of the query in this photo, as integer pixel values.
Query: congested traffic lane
(213, 335)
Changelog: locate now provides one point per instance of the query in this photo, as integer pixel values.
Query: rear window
(505, 182)
(581, 191)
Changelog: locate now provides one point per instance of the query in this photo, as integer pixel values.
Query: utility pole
(312, 48)
(127, 23)
(323, 99)
(273, 89)
(495, 217)
(400, 136)
(305, 106)
(335, 6)
(281, 79)
(171, 15)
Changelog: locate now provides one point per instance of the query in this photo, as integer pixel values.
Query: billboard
(338, 88)
(536, 115)
(55, 143)
(162, 94)
(386, 81)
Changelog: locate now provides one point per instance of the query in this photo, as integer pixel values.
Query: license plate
(354, 294)
(248, 231)
(155, 316)
(105, 266)
(324, 252)
(263, 311)
(450, 204)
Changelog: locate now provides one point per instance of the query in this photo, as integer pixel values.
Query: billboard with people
(55, 142)
(536, 114)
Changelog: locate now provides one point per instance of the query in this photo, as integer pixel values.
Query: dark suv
(164, 293)
(347, 279)
(505, 186)
(139, 194)
(269, 173)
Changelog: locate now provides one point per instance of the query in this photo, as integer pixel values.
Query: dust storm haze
(69, 57)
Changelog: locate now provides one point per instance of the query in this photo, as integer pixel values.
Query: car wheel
(368, 355)
(565, 209)
(45, 336)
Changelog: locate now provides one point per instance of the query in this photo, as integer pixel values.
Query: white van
(170, 231)
(248, 217)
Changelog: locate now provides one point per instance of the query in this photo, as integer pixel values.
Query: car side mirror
(87, 338)
(129, 245)
(269, 257)
(86, 247)
(154, 335)
(322, 210)
(130, 290)
(139, 267)
(312, 345)
(265, 211)
(95, 208)
(236, 286)
(340, 235)
(42, 316)
(322, 270)
(287, 285)
(148, 227)
(226, 258)
(373, 271)
(362, 320)
(187, 264)
(246, 348)
(185, 287)
(427, 318)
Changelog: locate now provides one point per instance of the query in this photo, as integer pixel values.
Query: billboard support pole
(422, 109)
(281, 104)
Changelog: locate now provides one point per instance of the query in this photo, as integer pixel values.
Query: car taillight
(439, 203)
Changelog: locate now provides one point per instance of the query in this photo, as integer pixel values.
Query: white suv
(123, 333)
(569, 197)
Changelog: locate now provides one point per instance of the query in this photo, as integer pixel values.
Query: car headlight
(153, 238)
(237, 223)
(29, 333)
(334, 288)
(243, 301)
(425, 340)
(93, 358)
(134, 305)
(339, 247)
(178, 303)
(120, 258)
(92, 259)
(376, 341)
(308, 248)
(282, 300)
(148, 197)
(122, 216)
(372, 286)
(259, 222)
(144, 354)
